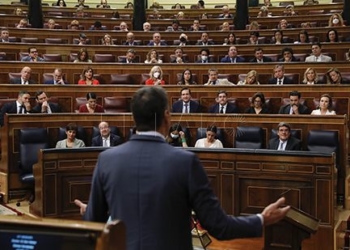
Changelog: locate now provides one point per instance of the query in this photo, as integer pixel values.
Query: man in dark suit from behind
(141, 182)
(20, 106)
(57, 78)
(25, 77)
(294, 107)
(223, 106)
(279, 78)
(259, 56)
(186, 105)
(284, 141)
(43, 104)
(106, 138)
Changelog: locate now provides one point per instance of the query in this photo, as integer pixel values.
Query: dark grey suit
(178, 107)
(55, 108)
(303, 110)
(19, 81)
(152, 187)
(114, 140)
(292, 143)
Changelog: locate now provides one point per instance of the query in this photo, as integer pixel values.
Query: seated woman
(289, 11)
(18, 12)
(332, 36)
(310, 76)
(91, 106)
(176, 137)
(310, 2)
(74, 25)
(209, 141)
(303, 37)
(250, 79)
(254, 25)
(129, 5)
(87, 77)
(83, 56)
(333, 76)
(107, 40)
(277, 37)
(22, 24)
(71, 141)
(225, 27)
(153, 57)
(186, 78)
(288, 55)
(336, 20)
(325, 106)
(156, 76)
(61, 3)
(230, 40)
(257, 105)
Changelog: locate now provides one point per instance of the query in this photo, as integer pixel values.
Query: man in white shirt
(4, 35)
(25, 77)
(284, 139)
(213, 79)
(185, 105)
(317, 56)
(106, 138)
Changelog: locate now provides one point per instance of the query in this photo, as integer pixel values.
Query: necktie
(222, 110)
(231, 60)
(280, 147)
(316, 58)
(279, 82)
(213, 82)
(104, 142)
(186, 108)
(20, 109)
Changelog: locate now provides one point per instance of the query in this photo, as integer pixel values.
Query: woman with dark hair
(83, 56)
(333, 76)
(186, 78)
(277, 37)
(288, 55)
(91, 106)
(71, 141)
(303, 37)
(230, 40)
(332, 36)
(209, 141)
(176, 137)
(87, 77)
(61, 3)
(257, 105)
(325, 106)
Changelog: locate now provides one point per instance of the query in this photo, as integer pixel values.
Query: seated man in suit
(259, 56)
(223, 106)
(205, 40)
(4, 35)
(205, 56)
(175, 26)
(106, 138)
(185, 105)
(130, 39)
(179, 58)
(25, 77)
(232, 56)
(156, 40)
(57, 78)
(129, 57)
(213, 78)
(284, 141)
(43, 105)
(20, 106)
(279, 78)
(33, 56)
(294, 107)
(317, 55)
(225, 12)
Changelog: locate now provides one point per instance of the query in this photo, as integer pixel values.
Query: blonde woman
(225, 27)
(250, 79)
(333, 76)
(310, 76)
(107, 40)
(325, 106)
(153, 57)
(336, 20)
(155, 76)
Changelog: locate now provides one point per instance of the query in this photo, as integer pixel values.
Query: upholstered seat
(2, 56)
(52, 57)
(80, 134)
(324, 141)
(294, 132)
(249, 137)
(101, 58)
(115, 104)
(29, 40)
(54, 40)
(120, 79)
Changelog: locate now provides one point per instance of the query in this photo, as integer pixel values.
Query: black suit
(178, 107)
(123, 60)
(55, 108)
(173, 60)
(10, 108)
(230, 108)
(265, 59)
(285, 81)
(303, 110)
(205, 44)
(251, 110)
(292, 143)
(19, 81)
(115, 140)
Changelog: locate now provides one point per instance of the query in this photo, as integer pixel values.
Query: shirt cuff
(261, 218)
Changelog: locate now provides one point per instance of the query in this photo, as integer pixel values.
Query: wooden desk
(245, 181)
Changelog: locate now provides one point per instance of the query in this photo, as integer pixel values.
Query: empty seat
(29, 40)
(52, 57)
(73, 56)
(324, 141)
(2, 56)
(54, 40)
(249, 137)
(13, 76)
(115, 104)
(104, 58)
(293, 77)
(286, 3)
(120, 79)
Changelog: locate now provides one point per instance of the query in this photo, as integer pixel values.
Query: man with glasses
(106, 138)
(284, 140)
(33, 56)
(57, 78)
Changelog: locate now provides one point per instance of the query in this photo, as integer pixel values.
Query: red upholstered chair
(115, 104)
(54, 40)
(78, 102)
(294, 77)
(14, 76)
(104, 58)
(120, 79)
(52, 57)
(29, 40)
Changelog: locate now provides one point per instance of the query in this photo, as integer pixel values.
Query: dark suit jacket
(302, 109)
(114, 140)
(183, 59)
(8, 108)
(265, 59)
(202, 44)
(227, 59)
(251, 110)
(178, 106)
(285, 81)
(292, 143)
(55, 108)
(29, 59)
(229, 109)
(132, 44)
(210, 60)
(138, 190)
(151, 43)
(19, 81)
(53, 82)
(123, 60)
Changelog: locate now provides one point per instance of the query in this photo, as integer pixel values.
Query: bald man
(25, 77)
(106, 138)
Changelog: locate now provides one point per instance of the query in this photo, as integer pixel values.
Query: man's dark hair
(148, 106)
(255, 33)
(23, 92)
(295, 93)
(222, 92)
(258, 49)
(317, 43)
(39, 92)
(30, 48)
(185, 88)
(98, 24)
(206, 50)
(283, 124)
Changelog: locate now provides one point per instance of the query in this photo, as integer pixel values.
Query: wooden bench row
(237, 177)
